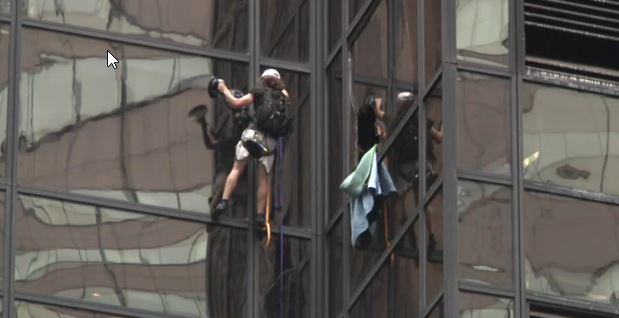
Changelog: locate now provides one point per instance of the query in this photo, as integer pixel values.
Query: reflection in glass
(335, 136)
(485, 230)
(335, 266)
(291, 195)
(473, 306)
(4, 91)
(221, 24)
(5, 8)
(483, 123)
(435, 247)
(374, 300)
(354, 6)
(406, 42)
(285, 29)
(571, 138)
(438, 311)
(369, 50)
(433, 40)
(571, 248)
(434, 135)
(123, 134)
(283, 269)
(404, 265)
(32, 310)
(482, 31)
(128, 260)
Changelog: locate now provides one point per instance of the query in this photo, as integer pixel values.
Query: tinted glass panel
(437, 312)
(283, 268)
(572, 248)
(221, 24)
(335, 266)
(130, 260)
(354, 6)
(406, 41)
(335, 136)
(434, 135)
(434, 51)
(472, 306)
(124, 134)
(32, 310)
(483, 123)
(370, 48)
(404, 265)
(374, 300)
(482, 31)
(364, 258)
(2, 229)
(4, 80)
(435, 247)
(291, 192)
(5, 8)
(334, 31)
(285, 29)
(571, 138)
(485, 230)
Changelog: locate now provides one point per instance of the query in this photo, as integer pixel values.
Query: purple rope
(278, 207)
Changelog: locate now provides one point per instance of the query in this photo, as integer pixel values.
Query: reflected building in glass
(498, 122)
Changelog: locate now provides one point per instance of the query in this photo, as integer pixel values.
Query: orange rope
(268, 211)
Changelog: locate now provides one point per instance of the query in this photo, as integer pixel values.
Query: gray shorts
(241, 152)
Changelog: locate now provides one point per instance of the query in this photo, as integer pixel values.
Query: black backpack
(273, 117)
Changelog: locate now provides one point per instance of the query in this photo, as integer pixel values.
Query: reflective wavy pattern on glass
(32, 310)
(131, 260)
(485, 231)
(221, 24)
(473, 306)
(571, 248)
(571, 138)
(124, 134)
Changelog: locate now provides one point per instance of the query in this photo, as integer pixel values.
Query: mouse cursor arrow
(111, 60)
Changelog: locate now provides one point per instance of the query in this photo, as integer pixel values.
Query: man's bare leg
(231, 183)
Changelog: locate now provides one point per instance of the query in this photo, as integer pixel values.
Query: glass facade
(504, 163)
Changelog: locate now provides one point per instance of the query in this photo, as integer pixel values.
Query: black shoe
(221, 208)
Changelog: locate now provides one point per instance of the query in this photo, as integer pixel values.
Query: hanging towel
(366, 194)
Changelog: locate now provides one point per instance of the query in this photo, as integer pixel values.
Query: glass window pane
(285, 29)
(292, 176)
(364, 257)
(335, 267)
(126, 259)
(434, 46)
(482, 28)
(374, 300)
(4, 93)
(334, 29)
(369, 51)
(335, 136)
(485, 230)
(354, 6)
(571, 248)
(404, 264)
(283, 270)
(483, 120)
(124, 134)
(571, 138)
(474, 306)
(31, 310)
(435, 247)
(434, 135)
(221, 24)
(438, 311)
(5, 8)
(406, 60)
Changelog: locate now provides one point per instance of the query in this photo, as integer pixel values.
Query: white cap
(406, 98)
(271, 72)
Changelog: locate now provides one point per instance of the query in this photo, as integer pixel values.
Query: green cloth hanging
(356, 182)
